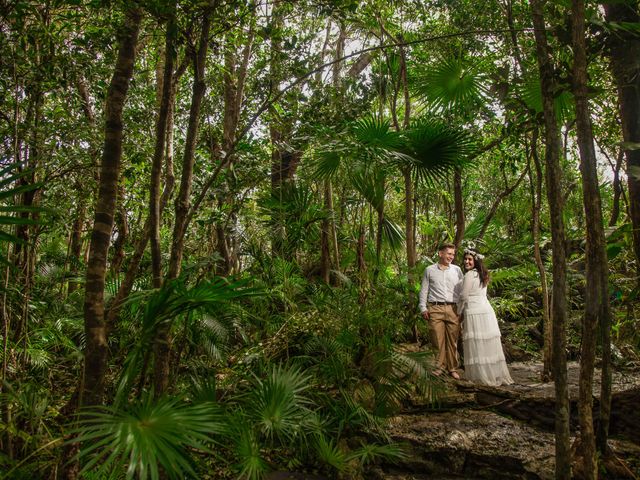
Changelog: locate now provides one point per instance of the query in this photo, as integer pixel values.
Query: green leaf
(452, 84)
(145, 434)
(531, 93)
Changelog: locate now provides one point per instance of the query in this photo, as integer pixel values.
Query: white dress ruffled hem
(484, 360)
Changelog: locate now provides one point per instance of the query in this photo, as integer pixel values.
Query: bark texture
(95, 325)
(162, 346)
(158, 154)
(624, 51)
(553, 179)
(596, 308)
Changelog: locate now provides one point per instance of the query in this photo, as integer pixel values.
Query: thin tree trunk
(362, 265)
(159, 151)
(78, 224)
(163, 341)
(183, 199)
(409, 226)
(234, 81)
(126, 285)
(508, 190)
(276, 127)
(536, 206)
(325, 253)
(95, 326)
(558, 238)
(596, 306)
(328, 237)
(459, 207)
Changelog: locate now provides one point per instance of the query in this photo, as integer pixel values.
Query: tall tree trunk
(328, 234)
(596, 308)
(625, 63)
(95, 362)
(159, 151)
(554, 196)
(81, 210)
(276, 127)
(459, 207)
(409, 226)
(624, 51)
(235, 76)
(163, 342)
(536, 206)
(379, 233)
(126, 285)
(186, 179)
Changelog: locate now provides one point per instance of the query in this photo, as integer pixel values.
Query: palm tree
(426, 152)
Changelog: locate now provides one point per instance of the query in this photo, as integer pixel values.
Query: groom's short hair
(444, 246)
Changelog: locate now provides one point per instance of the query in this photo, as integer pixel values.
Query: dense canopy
(216, 215)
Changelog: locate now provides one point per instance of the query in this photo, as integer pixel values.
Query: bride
(483, 357)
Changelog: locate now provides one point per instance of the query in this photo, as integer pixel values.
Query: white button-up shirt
(439, 285)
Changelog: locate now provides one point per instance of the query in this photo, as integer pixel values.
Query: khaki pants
(444, 326)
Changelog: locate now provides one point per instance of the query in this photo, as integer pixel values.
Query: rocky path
(505, 432)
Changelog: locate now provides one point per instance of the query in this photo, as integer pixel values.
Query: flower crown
(473, 253)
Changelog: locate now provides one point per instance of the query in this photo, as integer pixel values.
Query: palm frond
(330, 453)
(436, 148)
(372, 452)
(452, 84)
(376, 133)
(159, 307)
(278, 405)
(148, 434)
(370, 184)
(531, 93)
(473, 229)
(393, 234)
(251, 464)
(326, 162)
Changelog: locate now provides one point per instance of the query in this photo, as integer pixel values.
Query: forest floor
(507, 432)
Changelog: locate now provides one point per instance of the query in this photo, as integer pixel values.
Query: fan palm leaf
(376, 133)
(452, 84)
(147, 434)
(278, 404)
(531, 93)
(370, 183)
(159, 307)
(393, 234)
(435, 149)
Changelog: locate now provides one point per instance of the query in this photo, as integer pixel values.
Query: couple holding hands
(450, 300)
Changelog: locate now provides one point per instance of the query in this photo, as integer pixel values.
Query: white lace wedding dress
(483, 356)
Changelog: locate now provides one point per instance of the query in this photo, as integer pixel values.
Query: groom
(438, 298)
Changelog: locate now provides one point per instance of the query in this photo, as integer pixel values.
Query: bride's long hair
(478, 265)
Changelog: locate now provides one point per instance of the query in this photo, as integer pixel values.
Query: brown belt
(442, 303)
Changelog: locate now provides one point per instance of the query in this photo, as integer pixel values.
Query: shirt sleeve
(467, 284)
(424, 290)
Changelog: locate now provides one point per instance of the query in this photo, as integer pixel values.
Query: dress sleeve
(424, 290)
(467, 285)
